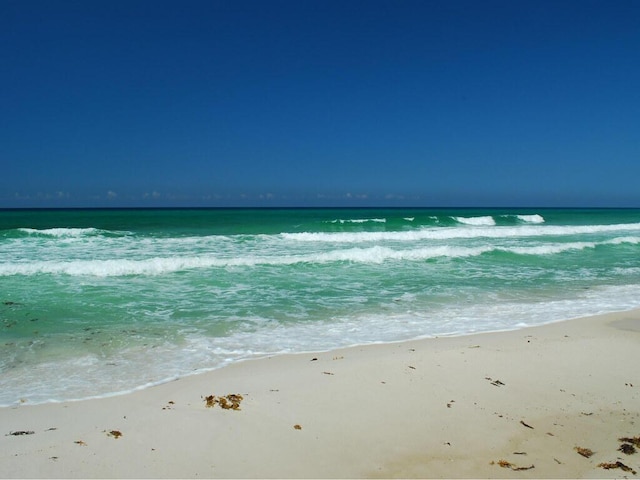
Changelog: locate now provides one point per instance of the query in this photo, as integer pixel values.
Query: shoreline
(443, 407)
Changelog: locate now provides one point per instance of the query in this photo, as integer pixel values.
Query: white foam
(365, 255)
(447, 233)
(361, 220)
(550, 249)
(531, 218)
(61, 232)
(158, 266)
(479, 221)
(621, 240)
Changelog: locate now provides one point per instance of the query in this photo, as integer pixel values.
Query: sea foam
(484, 221)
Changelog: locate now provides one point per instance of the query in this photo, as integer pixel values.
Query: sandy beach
(541, 402)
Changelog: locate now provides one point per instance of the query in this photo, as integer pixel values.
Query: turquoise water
(99, 302)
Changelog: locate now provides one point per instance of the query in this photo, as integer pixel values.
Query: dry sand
(445, 407)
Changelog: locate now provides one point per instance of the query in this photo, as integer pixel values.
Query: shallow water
(97, 302)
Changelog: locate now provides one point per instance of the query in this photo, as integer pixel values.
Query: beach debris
(496, 383)
(451, 402)
(227, 402)
(632, 440)
(340, 357)
(412, 367)
(526, 424)
(519, 453)
(627, 449)
(618, 464)
(314, 359)
(515, 468)
(51, 429)
(585, 452)
(328, 373)
(20, 432)
(80, 442)
(114, 433)
(169, 405)
(297, 427)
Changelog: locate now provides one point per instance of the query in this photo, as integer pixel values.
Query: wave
(491, 221)
(531, 218)
(367, 255)
(448, 233)
(60, 232)
(359, 220)
(69, 232)
(479, 221)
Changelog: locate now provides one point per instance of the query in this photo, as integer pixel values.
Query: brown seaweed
(228, 402)
(515, 468)
(114, 433)
(618, 464)
(632, 440)
(297, 427)
(585, 452)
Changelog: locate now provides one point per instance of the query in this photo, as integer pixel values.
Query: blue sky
(319, 103)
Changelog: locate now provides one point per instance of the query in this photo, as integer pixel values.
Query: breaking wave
(363, 255)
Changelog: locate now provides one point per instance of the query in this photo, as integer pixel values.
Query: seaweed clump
(627, 449)
(585, 452)
(618, 464)
(632, 440)
(515, 468)
(227, 402)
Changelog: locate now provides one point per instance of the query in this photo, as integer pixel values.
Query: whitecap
(480, 221)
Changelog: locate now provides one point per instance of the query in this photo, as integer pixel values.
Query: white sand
(444, 407)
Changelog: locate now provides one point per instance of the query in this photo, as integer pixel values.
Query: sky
(136, 103)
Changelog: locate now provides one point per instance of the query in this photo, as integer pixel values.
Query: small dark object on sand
(21, 432)
(515, 468)
(585, 452)
(627, 449)
(618, 464)
(632, 440)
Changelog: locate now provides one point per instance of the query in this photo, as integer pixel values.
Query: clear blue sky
(287, 103)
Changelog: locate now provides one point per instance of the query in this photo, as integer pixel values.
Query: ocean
(102, 302)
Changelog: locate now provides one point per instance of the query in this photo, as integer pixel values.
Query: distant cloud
(111, 195)
(154, 195)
